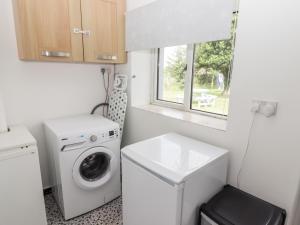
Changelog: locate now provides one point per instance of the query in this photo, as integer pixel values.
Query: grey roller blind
(165, 23)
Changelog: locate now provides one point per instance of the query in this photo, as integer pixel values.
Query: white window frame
(188, 85)
(158, 63)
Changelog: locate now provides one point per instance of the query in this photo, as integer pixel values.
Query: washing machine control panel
(93, 138)
(75, 142)
(107, 136)
(104, 136)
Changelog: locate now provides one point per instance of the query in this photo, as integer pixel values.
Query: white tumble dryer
(167, 178)
(85, 161)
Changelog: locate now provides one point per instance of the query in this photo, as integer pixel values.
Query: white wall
(266, 67)
(35, 91)
(297, 207)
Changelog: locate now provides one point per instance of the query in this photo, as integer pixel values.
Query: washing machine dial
(93, 138)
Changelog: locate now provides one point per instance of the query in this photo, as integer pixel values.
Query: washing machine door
(94, 168)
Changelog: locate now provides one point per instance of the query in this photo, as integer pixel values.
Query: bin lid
(173, 156)
(234, 206)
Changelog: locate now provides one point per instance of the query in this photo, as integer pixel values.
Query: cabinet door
(105, 20)
(45, 30)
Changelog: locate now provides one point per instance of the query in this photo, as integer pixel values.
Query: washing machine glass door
(94, 167)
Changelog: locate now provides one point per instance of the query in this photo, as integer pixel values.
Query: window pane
(171, 75)
(211, 76)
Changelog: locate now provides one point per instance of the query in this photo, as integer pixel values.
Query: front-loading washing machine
(84, 154)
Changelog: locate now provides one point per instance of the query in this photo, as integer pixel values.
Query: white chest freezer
(167, 178)
(21, 193)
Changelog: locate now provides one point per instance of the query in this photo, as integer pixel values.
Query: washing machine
(166, 179)
(84, 154)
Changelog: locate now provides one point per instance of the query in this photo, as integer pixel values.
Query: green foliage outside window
(210, 59)
(211, 73)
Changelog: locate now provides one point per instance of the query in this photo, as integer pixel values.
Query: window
(196, 77)
(172, 76)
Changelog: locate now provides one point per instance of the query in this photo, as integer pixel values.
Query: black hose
(98, 106)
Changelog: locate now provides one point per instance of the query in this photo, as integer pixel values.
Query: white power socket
(266, 108)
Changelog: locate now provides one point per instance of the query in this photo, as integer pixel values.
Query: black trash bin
(232, 206)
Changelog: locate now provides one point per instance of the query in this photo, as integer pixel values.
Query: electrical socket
(267, 108)
(107, 68)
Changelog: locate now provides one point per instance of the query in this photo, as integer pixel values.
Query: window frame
(187, 95)
(188, 84)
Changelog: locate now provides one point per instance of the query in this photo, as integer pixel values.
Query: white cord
(246, 151)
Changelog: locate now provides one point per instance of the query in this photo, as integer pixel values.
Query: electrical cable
(106, 89)
(106, 86)
(107, 93)
(246, 151)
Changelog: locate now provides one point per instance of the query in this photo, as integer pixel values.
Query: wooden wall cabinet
(91, 31)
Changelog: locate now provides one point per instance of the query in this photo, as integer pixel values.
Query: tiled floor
(109, 214)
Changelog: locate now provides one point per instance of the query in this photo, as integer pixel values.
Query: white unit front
(147, 199)
(85, 161)
(166, 179)
(21, 192)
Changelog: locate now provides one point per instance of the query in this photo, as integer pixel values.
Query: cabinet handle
(107, 57)
(55, 54)
(83, 32)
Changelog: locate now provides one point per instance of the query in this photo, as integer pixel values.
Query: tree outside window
(211, 74)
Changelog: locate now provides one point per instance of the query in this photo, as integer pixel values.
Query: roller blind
(165, 23)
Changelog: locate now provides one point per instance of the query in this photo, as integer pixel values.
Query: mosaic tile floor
(109, 214)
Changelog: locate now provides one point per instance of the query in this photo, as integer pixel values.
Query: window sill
(203, 120)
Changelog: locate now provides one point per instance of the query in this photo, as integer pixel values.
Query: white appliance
(167, 178)
(21, 193)
(85, 162)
